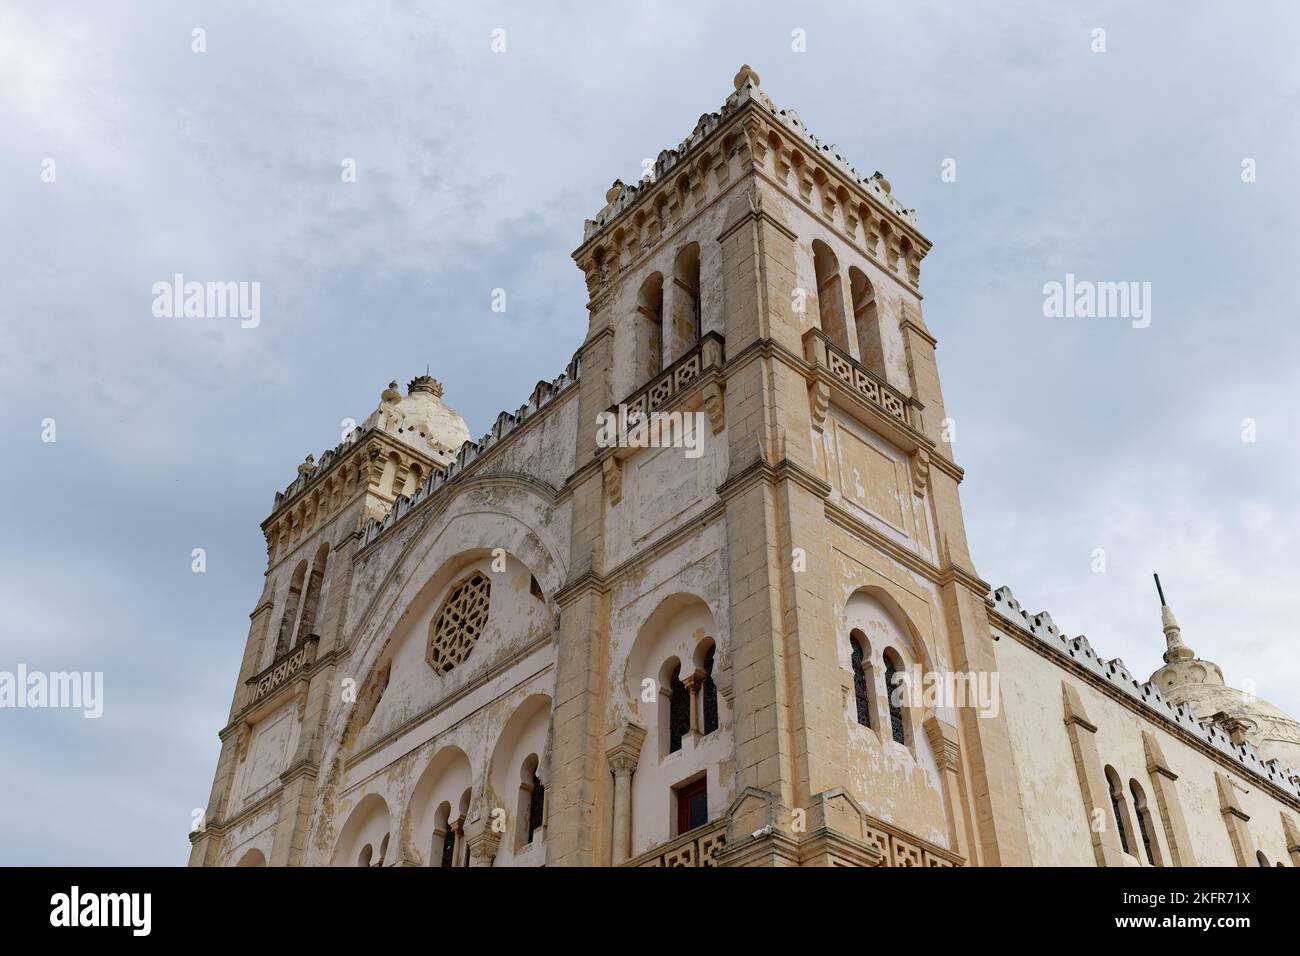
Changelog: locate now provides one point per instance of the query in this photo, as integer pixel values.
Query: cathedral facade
(705, 598)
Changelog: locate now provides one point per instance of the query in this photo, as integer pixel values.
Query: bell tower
(755, 274)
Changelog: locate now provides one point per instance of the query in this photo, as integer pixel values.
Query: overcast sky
(475, 170)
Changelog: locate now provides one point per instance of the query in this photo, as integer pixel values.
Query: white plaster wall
(1049, 783)
(897, 783)
(516, 618)
(665, 611)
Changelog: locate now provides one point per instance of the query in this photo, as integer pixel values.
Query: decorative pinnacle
(746, 73)
(1175, 650)
(613, 191)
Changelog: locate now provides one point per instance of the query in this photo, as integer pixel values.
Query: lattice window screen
(459, 623)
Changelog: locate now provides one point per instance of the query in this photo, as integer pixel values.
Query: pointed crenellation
(1226, 739)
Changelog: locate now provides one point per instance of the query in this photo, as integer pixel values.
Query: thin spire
(1175, 649)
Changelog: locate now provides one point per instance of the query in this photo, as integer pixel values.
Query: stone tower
(757, 276)
(547, 647)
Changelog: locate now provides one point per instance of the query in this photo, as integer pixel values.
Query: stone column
(692, 685)
(623, 767)
(623, 755)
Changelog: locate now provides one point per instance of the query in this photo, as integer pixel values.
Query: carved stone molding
(715, 406)
(612, 469)
(819, 403)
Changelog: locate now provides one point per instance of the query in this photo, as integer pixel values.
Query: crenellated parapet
(471, 452)
(749, 133)
(1044, 631)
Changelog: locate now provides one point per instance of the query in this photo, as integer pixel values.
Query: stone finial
(614, 191)
(879, 177)
(1175, 649)
(746, 73)
(391, 394)
(308, 465)
(425, 383)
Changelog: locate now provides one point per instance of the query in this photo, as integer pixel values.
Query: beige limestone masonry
(535, 649)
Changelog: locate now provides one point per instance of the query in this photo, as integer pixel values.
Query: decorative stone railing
(1041, 627)
(676, 378)
(294, 662)
(543, 395)
(901, 849)
(699, 847)
(823, 353)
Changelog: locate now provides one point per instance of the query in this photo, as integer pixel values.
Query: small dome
(1198, 684)
(421, 419)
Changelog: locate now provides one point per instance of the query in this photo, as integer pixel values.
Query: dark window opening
(679, 712)
(448, 848)
(710, 694)
(692, 806)
(1119, 821)
(536, 803)
(895, 706)
(860, 683)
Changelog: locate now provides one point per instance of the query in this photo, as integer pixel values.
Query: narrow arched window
(679, 711)
(311, 597)
(1117, 807)
(536, 806)
(1144, 822)
(709, 692)
(290, 617)
(448, 848)
(894, 694)
(866, 321)
(684, 305)
(860, 695)
(649, 328)
(830, 295)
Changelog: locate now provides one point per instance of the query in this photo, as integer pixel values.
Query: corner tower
(756, 277)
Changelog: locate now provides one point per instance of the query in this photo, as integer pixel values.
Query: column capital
(623, 747)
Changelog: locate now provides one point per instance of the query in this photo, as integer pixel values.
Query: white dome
(1186, 679)
(420, 419)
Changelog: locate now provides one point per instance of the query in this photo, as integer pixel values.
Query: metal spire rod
(1159, 589)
